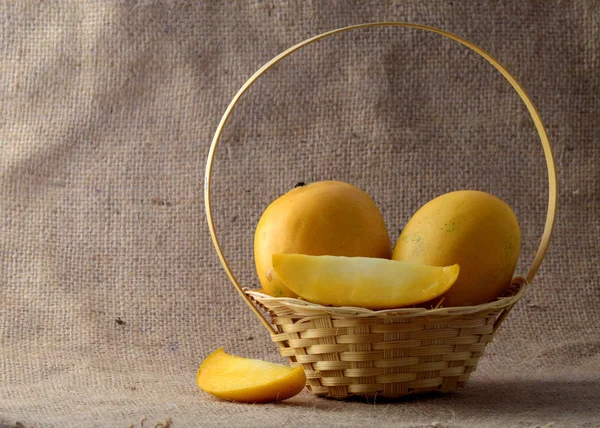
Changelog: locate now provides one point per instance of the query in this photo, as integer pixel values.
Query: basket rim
(298, 305)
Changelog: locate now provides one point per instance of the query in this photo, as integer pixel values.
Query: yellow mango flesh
(370, 283)
(234, 378)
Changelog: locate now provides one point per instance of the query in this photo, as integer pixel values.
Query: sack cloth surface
(111, 293)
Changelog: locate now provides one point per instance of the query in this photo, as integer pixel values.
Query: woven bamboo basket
(390, 353)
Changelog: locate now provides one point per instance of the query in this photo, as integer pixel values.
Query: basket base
(391, 391)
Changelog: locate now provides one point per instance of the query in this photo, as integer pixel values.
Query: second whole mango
(475, 229)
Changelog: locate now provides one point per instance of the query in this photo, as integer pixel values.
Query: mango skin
(474, 229)
(247, 380)
(322, 218)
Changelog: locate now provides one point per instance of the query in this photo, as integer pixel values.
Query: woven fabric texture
(111, 293)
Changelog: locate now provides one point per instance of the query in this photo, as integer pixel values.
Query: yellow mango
(362, 281)
(477, 230)
(234, 378)
(322, 218)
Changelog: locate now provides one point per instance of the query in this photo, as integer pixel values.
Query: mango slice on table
(248, 380)
(371, 283)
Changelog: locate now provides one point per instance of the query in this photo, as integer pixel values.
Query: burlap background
(111, 292)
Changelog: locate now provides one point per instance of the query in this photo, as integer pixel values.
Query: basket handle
(550, 217)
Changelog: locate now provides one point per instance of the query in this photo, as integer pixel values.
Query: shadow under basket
(392, 353)
(349, 352)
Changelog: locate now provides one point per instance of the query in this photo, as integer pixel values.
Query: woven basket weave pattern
(393, 356)
(383, 353)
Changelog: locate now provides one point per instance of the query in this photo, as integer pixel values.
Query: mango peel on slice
(234, 378)
(371, 283)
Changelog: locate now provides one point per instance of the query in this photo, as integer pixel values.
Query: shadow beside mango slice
(371, 283)
(248, 380)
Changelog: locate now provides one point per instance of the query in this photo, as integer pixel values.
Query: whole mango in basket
(362, 281)
(474, 229)
(248, 380)
(322, 218)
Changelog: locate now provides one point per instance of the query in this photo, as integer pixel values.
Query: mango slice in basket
(371, 283)
(248, 380)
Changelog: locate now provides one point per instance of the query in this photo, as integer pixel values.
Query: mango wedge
(248, 380)
(370, 283)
